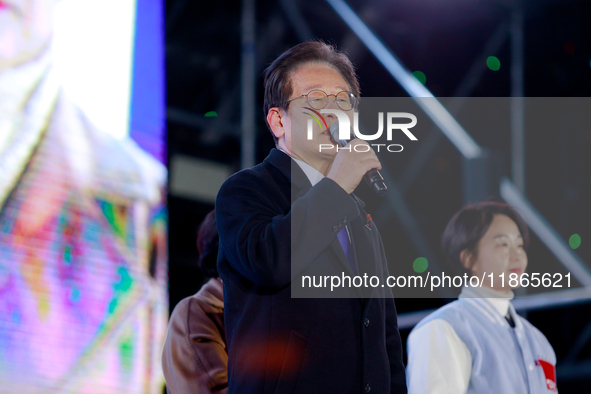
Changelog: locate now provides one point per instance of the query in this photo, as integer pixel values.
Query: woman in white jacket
(478, 344)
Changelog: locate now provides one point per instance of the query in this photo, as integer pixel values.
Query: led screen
(83, 280)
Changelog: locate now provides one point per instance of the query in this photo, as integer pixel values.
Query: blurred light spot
(15, 317)
(112, 305)
(271, 355)
(125, 283)
(68, 255)
(211, 114)
(126, 352)
(420, 76)
(420, 265)
(574, 241)
(569, 48)
(75, 295)
(44, 308)
(493, 63)
(83, 52)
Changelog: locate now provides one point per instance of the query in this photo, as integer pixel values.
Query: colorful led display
(83, 223)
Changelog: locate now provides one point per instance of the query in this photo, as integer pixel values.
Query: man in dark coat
(286, 223)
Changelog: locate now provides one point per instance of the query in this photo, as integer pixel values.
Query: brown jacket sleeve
(195, 358)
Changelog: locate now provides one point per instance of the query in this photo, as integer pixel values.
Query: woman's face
(500, 251)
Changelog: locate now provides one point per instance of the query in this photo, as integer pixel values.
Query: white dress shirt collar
(314, 176)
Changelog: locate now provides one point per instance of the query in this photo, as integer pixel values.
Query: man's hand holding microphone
(353, 162)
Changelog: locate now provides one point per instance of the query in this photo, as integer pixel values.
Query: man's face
(303, 80)
(25, 30)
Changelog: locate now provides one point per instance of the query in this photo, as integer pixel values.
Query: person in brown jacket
(195, 357)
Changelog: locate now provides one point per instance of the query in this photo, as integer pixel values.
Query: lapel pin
(368, 221)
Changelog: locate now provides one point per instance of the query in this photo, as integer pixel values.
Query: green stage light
(574, 241)
(493, 63)
(420, 76)
(420, 265)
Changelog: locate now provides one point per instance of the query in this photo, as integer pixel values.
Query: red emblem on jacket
(549, 374)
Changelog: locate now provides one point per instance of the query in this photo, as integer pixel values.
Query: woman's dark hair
(277, 83)
(207, 245)
(467, 227)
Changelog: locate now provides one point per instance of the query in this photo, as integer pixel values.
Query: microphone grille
(334, 130)
(334, 133)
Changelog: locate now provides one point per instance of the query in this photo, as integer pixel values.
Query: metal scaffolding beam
(248, 81)
(546, 233)
(537, 302)
(464, 89)
(296, 19)
(517, 99)
(433, 108)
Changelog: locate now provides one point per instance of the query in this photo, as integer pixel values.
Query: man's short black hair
(277, 83)
(467, 227)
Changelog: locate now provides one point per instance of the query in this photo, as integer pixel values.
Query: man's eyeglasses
(318, 99)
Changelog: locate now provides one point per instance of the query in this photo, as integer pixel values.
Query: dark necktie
(344, 240)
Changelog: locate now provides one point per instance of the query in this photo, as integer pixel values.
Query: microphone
(373, 178)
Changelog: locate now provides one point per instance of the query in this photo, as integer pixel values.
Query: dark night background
(442, 39)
